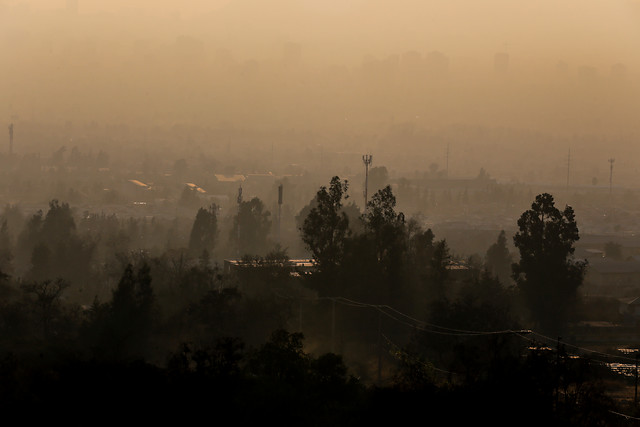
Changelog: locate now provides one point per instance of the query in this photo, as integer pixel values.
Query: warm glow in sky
(204, 59)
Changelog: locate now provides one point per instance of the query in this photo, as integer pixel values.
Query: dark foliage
(546, 274)
(204, 231)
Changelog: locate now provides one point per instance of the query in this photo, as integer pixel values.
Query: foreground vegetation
(175, 337)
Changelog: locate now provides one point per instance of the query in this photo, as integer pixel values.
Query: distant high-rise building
(412, 66)
(501, 62)
(412, 59)
(437, 64)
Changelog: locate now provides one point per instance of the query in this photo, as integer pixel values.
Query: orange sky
(53, 62)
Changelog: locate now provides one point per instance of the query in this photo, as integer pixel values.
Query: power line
(628, 417)
(444, 330)
(414, 323)
(422, 325)
(399, 349)
(586, 349)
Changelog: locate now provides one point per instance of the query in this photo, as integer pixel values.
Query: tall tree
(47, 295)
(498, 259)
(58, 224)
(438, 274)
(122, 328)
(204, 230)
(383, 223)
(420, 249)
(386, 232)
(326, 226)
(6, 249)
(251, 228)
(378, 178)
(546, 274)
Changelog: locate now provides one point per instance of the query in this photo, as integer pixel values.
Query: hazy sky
(591, 28)
(141, 58)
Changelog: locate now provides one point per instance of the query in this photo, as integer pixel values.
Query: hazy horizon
(394, 74)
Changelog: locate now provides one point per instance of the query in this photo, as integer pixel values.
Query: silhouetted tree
(420, 249)
(546, 273)
(41, 262)
(121, 329)
(49, 246)
(58, 223)
(215, 314)
(29, 237)
(438, 270)
(383, 223)
(378, 178)
(386, 231)
(6, 249)
(220, 361)
(47, 295)
(204, 230)
(282, 358)
(498, 259)
(251, 227)
(326, 227)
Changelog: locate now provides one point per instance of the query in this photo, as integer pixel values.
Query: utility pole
(366, 159)
(279, 209)
(611, 175)
(11, 139)
(239, 200)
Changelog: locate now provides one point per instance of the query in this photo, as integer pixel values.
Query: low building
(299, 266)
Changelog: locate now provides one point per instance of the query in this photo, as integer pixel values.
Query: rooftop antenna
(611, 175)
(11, 139)
(366, 159)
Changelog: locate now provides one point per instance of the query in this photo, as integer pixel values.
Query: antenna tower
(611, 175)
(366, 159)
